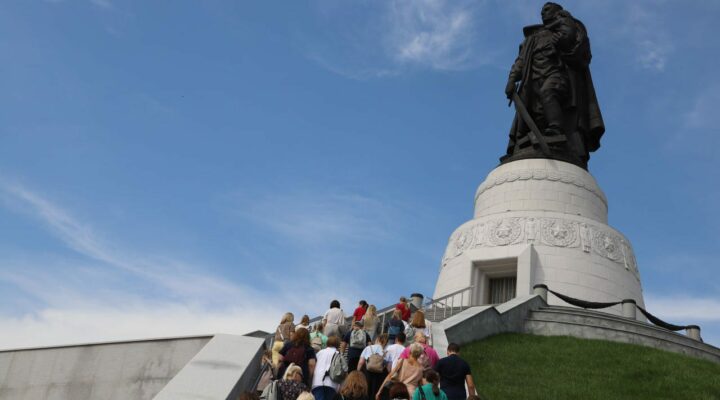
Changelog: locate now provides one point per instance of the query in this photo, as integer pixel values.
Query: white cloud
(652, 43)
(117, 295)
(60, 325)
(383, 39)
(432, 33)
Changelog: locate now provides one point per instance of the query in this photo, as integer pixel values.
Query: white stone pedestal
(543, 222)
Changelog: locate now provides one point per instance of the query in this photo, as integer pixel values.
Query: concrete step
(568, 321)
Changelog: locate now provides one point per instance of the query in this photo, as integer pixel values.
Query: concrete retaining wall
(135, 370)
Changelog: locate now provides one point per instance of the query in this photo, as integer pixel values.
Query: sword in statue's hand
(535, 135)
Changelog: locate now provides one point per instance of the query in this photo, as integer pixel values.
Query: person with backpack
(395, 326)
(298, 352)
(292, 383)
(318, 340)
(429, 357)
(283, 333)
(408, 371)
(454, 374)
(429, 390)
(325, 381)
(355, 342)
(371, 321)
(333, 319)
(372, 360)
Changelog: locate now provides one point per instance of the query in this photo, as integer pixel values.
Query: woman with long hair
(430, 388)
(291, 384)
(372, 360)
(283, 333)
(298, 352)
(354, 388)
(418, 323)
(370, 321)
(304, 323)
(409, 371)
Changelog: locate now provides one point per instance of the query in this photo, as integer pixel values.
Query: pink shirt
(429, 351)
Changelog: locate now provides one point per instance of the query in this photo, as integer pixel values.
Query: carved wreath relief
(555, 232)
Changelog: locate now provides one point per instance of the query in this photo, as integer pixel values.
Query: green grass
(516, 366)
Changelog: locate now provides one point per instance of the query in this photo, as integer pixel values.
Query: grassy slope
(515, 366)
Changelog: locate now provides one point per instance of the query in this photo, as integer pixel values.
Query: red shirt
(405, 309)
(359, 313)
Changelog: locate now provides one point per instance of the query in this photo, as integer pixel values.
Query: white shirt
(334, 316)
(392, 354)
(322, 365)
(370, 350)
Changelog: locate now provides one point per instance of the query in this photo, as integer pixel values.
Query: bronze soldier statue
(557, 116)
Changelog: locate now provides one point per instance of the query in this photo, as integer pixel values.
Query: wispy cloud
(384, 39)
(321, 217)
(117, 295)
(432, 33)
(653, 44)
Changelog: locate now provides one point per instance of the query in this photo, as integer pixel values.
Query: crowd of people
(365, 360)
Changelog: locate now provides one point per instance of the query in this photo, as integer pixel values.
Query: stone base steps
(569, 321)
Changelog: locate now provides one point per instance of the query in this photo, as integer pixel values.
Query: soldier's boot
(553, 115)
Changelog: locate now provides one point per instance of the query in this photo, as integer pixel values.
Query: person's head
(306, 396)
(355, 385)
(319, 327)
(418, 319)
(432, 377)
(400, 338)
(403, 299)
(293, 373)
(288, 317)
(358, 324)
(371, 311)
(382, 339)
(549, 10)
(399, 391)
(420, 337)
(333, 341)
(416, 350)
(453, 348)
(397, 314)
(305, 320)
(334, 304)
(363, 304)
(301, 337)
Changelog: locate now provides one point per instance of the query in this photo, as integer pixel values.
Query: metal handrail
(443, 301)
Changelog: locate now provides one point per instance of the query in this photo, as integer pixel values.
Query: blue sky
(195, 167)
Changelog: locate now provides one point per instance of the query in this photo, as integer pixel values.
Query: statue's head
(549, 11)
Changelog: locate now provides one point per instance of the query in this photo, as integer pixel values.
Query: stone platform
(542, 222)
